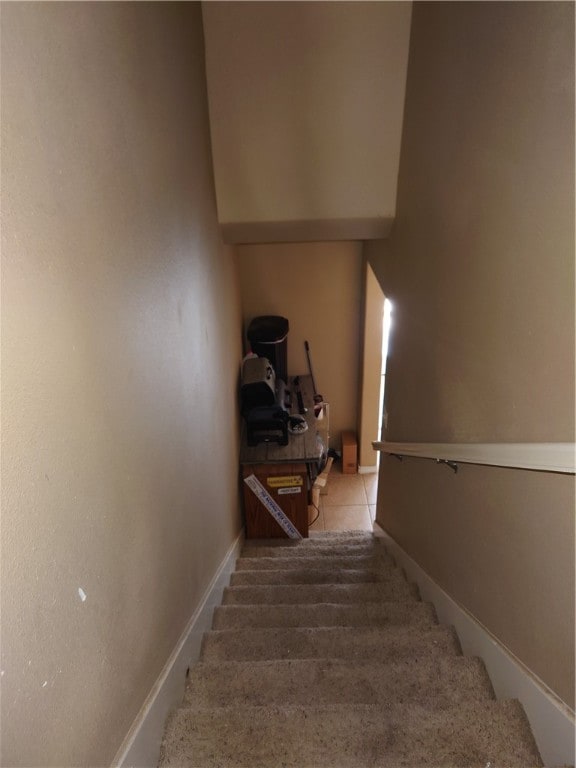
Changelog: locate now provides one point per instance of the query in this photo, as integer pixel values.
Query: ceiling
(306, 103)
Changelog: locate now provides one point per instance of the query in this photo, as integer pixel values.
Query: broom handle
(310, 366)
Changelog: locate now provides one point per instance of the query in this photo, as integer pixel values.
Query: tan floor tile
(372, 509)
(347, 517)
(345, 490)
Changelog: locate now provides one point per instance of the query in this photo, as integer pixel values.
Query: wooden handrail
(544, 457)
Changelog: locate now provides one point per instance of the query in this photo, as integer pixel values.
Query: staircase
(323, 656)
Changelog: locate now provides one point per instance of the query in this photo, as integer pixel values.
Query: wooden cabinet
(298, 462)
(288, 486)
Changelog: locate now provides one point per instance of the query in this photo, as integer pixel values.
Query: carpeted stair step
(336, 539)
(322, 655)
(444, 683)
(300, 549)
(387, 591)
(315, 576)
(324, 615)
(335, 563)
(493, 733)
(358, 643)
(352, 533)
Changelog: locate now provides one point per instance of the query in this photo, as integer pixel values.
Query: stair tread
(325, 561)
(446, 681)
(321, 593)
(315, 539)
(350, 736)
(381, 644)
(324, 614)
(300, 549)
(349, 535)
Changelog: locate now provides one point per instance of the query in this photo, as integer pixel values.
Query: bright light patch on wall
(386, 328)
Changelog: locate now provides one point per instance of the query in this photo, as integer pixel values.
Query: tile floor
(349, 502)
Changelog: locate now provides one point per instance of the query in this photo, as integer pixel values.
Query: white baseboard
(552, 722)
(141, 747)
(368, 470)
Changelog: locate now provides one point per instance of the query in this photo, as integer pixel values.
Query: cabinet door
(287, 484)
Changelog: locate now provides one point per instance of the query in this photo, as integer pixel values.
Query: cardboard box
(349, 453)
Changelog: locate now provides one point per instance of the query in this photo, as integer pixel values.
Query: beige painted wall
(121, 340)
(481, 273)
(373, 308)
(318, 287)
(306, 107)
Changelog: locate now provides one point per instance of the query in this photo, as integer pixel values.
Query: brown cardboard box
(349, 453)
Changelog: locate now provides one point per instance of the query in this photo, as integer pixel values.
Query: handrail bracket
(451, 464)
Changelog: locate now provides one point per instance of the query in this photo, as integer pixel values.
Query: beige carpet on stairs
(322, 655)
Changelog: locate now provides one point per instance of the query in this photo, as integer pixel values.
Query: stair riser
(304, 576)
(356, 643)
(321, 538)
(367, 615)
(323, 593)
(317, 563)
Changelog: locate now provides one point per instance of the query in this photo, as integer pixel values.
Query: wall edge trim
(141, 745)
(551, 720)
(368, 470)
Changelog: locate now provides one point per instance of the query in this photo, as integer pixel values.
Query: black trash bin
(268, 336)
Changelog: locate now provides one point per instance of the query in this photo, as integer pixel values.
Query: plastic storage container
(267, 335)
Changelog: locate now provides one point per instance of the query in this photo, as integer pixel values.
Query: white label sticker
(284, 491)
(275, 510)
